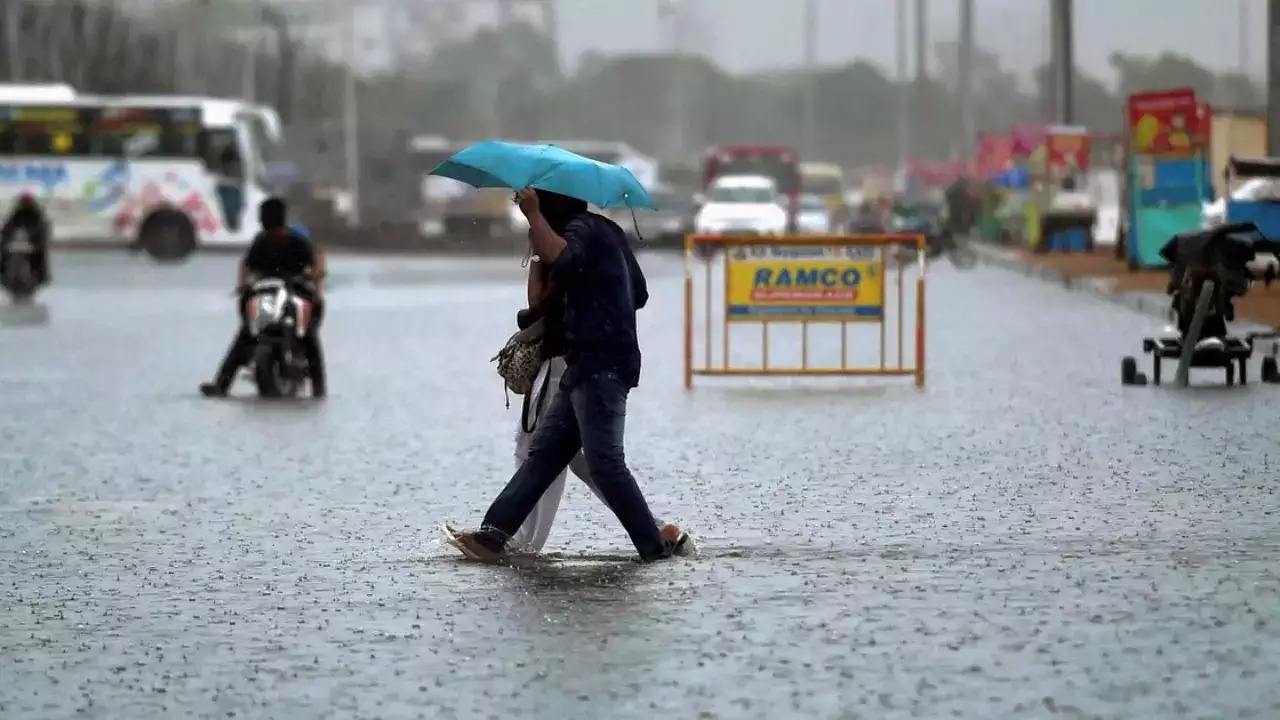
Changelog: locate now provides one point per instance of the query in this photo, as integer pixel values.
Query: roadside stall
(1166, 171)
(1028, 160)
(995, 154)
(1067, 212)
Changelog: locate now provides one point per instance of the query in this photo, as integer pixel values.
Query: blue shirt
(603, 287)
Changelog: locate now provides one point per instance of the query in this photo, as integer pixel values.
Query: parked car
(1255, 188)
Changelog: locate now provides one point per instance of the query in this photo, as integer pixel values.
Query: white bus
(167, 174)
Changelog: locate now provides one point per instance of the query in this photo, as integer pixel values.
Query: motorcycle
(277, 319)
(19, 279)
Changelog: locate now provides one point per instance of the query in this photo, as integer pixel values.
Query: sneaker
(470, 546)
(680, 542)
(212, 390)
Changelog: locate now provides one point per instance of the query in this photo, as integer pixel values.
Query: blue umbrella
(495, 163)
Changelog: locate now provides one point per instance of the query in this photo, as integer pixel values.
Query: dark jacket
(602, 286)
(32, 219)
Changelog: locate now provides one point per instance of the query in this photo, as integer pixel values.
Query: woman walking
(546, 303)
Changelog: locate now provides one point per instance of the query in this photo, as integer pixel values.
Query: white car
(1255, 188)
(814, 217)
(742, 204)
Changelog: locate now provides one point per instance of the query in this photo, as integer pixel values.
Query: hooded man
(588, 258)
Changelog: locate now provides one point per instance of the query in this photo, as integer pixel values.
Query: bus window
(42, 142)
(222, 155)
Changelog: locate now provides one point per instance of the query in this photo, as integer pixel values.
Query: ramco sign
(38, 173)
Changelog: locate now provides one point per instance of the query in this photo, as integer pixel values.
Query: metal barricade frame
(694, 245)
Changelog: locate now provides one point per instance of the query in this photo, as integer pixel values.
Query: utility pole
(916, 107)
(968, 122)
(904, 87)
(1063, 63)
(922, 42)
(808, 146)
(1273, 76)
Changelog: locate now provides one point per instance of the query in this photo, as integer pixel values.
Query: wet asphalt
(1023, 539)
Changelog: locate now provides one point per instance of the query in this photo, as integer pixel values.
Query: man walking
(589, 259)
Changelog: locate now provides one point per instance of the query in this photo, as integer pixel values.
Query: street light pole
(350, 117)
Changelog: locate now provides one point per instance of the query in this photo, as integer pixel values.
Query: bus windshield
(823, 186)
(775, 166)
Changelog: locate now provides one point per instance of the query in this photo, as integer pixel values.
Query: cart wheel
(1270, 373)
(1129, 371)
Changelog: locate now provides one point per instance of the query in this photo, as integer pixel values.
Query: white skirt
(533, 533)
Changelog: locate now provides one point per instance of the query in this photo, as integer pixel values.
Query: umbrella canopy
(496, 163)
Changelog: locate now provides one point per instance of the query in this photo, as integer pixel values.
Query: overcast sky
(745, 35)
(752, 35)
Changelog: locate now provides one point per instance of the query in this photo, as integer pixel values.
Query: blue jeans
(590, 416)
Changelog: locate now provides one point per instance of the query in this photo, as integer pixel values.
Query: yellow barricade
(804, 280)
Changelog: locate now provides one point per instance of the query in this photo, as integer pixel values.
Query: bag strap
(542, 396)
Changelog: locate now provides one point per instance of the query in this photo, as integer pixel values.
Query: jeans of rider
(241, 350)
(591, 416)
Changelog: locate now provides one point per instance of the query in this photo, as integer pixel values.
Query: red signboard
(1167, 122)
(1027, 139)
(995, 155)
(1067, 151)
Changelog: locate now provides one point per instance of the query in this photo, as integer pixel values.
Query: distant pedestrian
(589, 259)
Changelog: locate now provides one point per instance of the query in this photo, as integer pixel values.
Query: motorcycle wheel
(963, 256)
(19, 280)
(270, 375)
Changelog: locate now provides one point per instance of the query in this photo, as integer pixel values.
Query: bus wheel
(167, 235)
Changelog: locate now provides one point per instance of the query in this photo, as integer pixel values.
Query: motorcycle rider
(27, 215)
(961, 207)
(278, 251)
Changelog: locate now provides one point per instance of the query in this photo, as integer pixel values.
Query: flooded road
(1023, 539)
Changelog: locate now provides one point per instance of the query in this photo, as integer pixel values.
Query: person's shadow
(19, 315)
